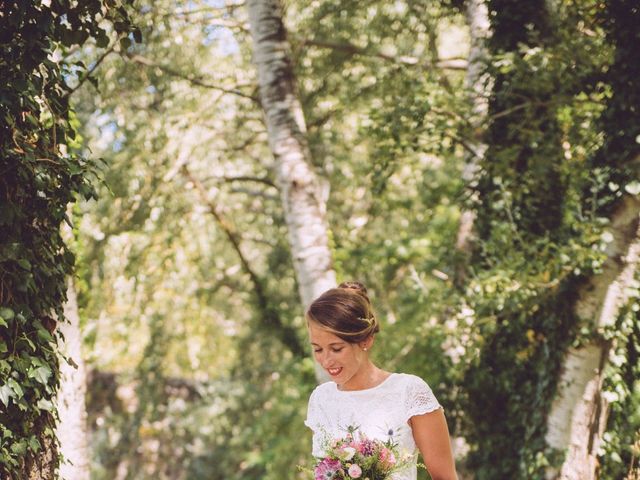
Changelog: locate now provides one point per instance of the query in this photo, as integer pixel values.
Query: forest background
(474, 163)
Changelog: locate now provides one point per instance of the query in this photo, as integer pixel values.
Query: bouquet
(356, 456)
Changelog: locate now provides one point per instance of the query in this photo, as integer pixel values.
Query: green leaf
(125, 43)
(633, 188)
(6, 313)
(3, 322)
(24, 263)
(102, 40)
(44, 334)
(17, 389)
(19, 448)
(44, 404)
(41, 374)
(5, 394)
(34, 443)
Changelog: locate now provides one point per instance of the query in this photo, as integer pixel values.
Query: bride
(381, 405)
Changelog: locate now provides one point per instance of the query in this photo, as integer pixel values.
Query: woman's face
(343, 361)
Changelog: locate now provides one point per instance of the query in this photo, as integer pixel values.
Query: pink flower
(387, 457)
(327, 469)
(366, 447)
(355, 471)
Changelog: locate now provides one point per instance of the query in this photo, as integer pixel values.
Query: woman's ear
(367, 344)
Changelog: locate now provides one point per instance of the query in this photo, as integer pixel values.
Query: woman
(380, 404)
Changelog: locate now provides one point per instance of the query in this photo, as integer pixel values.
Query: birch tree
(72, 413)
(578, 418)
(476, 82)
(303, 196)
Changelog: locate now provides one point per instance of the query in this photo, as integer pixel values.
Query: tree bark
(477, 84)
(579, 412)
(72, 426)
(302, 196)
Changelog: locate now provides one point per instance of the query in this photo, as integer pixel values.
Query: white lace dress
(378, 412)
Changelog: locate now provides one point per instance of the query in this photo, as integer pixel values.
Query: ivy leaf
(6, 313)
(44, 404)
(24, 263)
(41, 374)
(44, 335)
(633, 188)
(17, 389)
(5, 394)
(19, 448)
(34, 443)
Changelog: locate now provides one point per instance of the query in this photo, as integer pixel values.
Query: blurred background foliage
(187, 381)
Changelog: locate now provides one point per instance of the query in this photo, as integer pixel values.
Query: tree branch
(193, 80)
(444, 64)
(88, 74)
(245, 178)
(270, 317)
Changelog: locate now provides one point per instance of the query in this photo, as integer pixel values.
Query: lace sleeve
(419, 398)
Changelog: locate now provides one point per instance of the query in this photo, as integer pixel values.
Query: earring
(365, 349)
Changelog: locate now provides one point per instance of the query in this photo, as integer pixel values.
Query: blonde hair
(346, 312)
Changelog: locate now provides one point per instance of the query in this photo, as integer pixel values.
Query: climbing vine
(41, 171)
(558, 121)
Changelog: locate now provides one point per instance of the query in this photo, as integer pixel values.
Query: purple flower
(327, 469)
(366, 447)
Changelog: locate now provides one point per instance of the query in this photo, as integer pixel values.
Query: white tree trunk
(478, 86)
(72, 427)
(301, 191)
(578, 414)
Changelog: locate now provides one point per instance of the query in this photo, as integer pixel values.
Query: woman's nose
(324, 358)
(321, 358)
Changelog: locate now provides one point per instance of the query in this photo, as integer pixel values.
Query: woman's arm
(431, 435)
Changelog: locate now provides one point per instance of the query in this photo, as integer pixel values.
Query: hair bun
(355, 286)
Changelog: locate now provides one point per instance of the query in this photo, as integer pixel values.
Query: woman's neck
(368, 376)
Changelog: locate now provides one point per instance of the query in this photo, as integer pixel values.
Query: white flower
(346, 453)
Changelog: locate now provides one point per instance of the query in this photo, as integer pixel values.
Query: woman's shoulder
(322, 390)
(410, 380)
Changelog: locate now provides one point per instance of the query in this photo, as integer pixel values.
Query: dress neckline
(365, 390)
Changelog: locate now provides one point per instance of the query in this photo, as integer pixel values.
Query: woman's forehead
(318, 334)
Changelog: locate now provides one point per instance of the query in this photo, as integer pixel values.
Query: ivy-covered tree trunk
(72, 425)
(578, 419)
(300, 189)
(532, 396)
(40, 173)
(520, 202)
